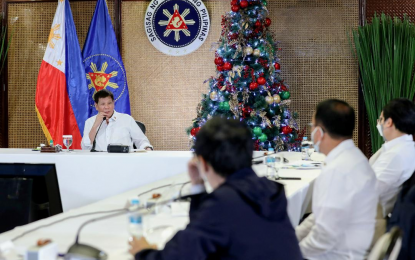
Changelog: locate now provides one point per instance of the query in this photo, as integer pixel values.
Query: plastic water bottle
(135, 226)
(270, 163)
(305, 146)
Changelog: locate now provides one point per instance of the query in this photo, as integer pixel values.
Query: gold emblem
(99, 79)
(53, 35)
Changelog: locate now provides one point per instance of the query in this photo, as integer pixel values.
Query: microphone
(95, 138)
(83, 251)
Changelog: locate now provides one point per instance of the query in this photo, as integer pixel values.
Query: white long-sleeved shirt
(393, 164)
(344, 208)
(121, 129)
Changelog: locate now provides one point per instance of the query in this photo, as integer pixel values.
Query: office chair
(143, 129)
(388, 246)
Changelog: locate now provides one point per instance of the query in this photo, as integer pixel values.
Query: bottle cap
(135, 201)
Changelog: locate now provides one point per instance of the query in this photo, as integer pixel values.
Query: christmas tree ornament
(220, 68)
(224, 106)
(214, 96)
(227, 66)
(246, 112)
(283, 88)
(267, 22)
(263, 137)
(219, 61)
(257, 53)
(277, 66)
(258, 24)
(194, 131)
(249, 50)
(243, 4)
(235, 8)
(253, 86)
(234, 2)
(277, 98)
(261, 81)
(286, 130)
(268, 99)
(285, 95)
(257, 131)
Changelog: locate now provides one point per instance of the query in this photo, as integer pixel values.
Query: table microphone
(83, 251)
(95, 138)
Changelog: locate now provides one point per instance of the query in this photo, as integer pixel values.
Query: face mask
(317, 145)
(209, 188)
(380, 130)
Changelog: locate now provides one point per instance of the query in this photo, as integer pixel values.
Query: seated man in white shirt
(344, 198)
(394, 162)
(116, 128)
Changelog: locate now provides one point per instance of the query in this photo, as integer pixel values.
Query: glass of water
(67, 141)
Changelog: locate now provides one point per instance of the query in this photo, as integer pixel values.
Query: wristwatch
(145, 148)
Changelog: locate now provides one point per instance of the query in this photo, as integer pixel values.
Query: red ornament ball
(194, 131)
(261, 81)
(258, 23)
(234, 2)
(246, 112)
(253, 86)
(235, 8)
(227, 66)
(243, 4)
(286, 130)
(277, 66)
(219, 61)
(220, 68)
(267, 22)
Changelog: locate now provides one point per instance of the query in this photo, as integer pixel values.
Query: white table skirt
(85, 177)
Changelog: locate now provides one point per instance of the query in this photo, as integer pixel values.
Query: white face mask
(380, 130)
(317, 145)
(208, 187)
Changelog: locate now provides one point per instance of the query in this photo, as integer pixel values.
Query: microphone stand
(95, 138)
(78, 250)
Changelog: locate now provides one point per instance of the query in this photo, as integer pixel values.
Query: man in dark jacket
(244, 217)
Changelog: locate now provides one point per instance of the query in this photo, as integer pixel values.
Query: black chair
(16, 203)
(142, 126)
(143, 129)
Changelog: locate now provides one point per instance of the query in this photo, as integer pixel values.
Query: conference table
(111, 235)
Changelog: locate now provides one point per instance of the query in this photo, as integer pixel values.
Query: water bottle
(270, 163)
(305, 146)
(135, 226)
(51, 143)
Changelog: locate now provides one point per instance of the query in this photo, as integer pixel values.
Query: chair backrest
(388, 246)
(142, 126)
(15, 201)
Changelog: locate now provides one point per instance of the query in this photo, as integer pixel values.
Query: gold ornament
(257, 53)
(248, 50)
(269, 100)
(214, 96)
(234, 105)
(277, 98)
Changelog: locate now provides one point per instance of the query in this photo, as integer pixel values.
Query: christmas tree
(248, 85)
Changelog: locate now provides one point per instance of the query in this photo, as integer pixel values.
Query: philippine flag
(61, 91)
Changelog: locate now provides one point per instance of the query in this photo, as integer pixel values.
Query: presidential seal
(177, 27)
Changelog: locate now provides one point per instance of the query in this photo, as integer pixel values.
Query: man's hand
(136, 245)
(100, 118)
(194, 174)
